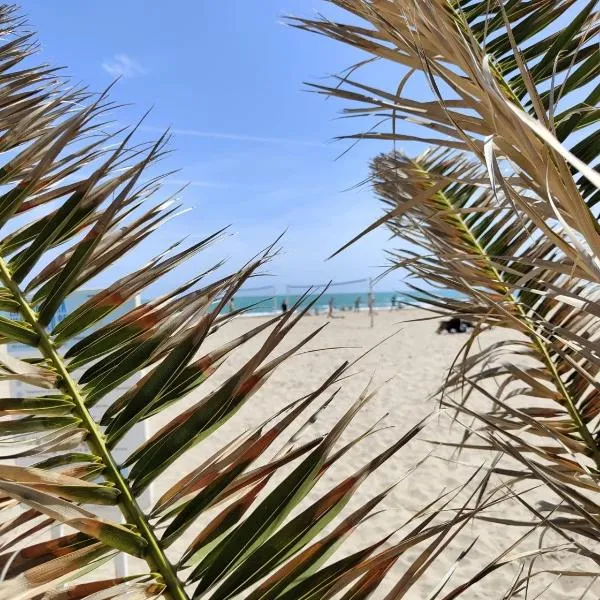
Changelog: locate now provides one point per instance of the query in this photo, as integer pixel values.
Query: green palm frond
(507, 275)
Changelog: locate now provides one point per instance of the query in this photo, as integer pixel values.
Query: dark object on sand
(284, 306)
(454, 325)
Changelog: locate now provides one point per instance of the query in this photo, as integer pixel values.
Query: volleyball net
(257, 299)
(342, 295)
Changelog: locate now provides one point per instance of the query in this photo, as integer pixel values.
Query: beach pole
(371, 300)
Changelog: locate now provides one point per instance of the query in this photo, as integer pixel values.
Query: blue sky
(254, 145)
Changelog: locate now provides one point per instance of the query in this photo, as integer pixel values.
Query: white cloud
(124, 66)
(218, 135)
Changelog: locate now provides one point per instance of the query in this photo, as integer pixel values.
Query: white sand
(414, 361)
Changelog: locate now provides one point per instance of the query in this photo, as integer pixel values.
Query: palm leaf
(501, 209)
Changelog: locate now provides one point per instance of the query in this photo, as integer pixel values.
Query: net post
(371, 301)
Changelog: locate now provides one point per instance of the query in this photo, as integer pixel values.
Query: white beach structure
(135, 437)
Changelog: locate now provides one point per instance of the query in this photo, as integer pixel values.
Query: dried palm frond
(502, 211)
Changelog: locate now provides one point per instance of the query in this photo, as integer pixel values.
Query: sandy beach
(409, 367)
(406, 369)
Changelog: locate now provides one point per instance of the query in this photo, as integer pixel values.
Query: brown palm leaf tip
(502, 208)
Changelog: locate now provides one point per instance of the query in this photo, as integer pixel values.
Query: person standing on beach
(330, 313)
(393, 302)
(284, 306)
(370, 304)
(231, 305)
(357, 304)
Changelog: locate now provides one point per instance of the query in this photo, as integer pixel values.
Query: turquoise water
(341, 301)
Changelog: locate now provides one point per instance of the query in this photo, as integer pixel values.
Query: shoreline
(336, 313)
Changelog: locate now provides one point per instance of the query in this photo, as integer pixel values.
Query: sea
(264, 305)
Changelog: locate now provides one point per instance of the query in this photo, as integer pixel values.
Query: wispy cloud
(218, 135)
(203, 183)
(254, 188)
(124, 66)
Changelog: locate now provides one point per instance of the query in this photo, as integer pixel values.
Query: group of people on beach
(357, 303)
(331, 304)
(453, 325)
